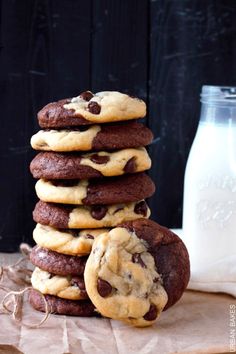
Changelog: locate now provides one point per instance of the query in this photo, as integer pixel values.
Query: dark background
(162, 51)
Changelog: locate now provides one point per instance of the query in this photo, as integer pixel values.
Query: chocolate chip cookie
(94, 137)
(135, 271)
(57, 305)
(56, 263)
(97, 216)
(66, 241)
(70, 287)
(113, 190)
(52, 165)
(89, 108)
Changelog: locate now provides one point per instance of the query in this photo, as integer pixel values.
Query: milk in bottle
(209, 214)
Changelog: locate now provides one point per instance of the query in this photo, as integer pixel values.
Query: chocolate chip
(94, 107)
(99, 159)
(156, 280)
(89, 236)
(130, 166)
(136, 258)
(86, 95)
(77, 281)
(104, 288)
(129, 276)
(151, 315)
(141, 208)
(98, 212)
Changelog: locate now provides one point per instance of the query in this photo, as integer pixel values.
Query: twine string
(13, 301)
(18, 272)
(12, 304)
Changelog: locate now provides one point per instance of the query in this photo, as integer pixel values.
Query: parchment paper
(198, 323)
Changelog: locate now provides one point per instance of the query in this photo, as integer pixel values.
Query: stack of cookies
(96, 250)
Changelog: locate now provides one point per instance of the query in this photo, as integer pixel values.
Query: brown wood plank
(119, 46)
(192, 43)
(45, 56)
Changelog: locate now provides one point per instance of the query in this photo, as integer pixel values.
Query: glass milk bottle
(209, 214)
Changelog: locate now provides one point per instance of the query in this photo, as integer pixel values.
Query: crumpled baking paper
(198, 323)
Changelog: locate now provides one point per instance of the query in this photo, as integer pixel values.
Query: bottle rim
(219, 95)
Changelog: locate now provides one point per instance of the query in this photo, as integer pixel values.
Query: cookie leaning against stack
(91, 177)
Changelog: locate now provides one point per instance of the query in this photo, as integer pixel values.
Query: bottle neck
(215, 114)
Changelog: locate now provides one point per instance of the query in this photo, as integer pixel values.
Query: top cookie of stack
(83, 139)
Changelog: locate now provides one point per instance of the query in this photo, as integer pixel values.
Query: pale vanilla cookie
(94, 137)
(65, 140)
(67, 287)
(52, 165)
(113, 190)
(89, 108)
(135, 271)
(68, 241)
(82, 217)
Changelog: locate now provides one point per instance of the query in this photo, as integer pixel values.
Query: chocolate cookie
(57, 305)
(89, 108)
(68, 241)
(57, 263)
(52, 165)
(62, 216)
(70, 287)
(94, 137)
(113, 190)
(135, 271)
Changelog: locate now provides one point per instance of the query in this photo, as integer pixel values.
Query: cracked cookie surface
(57, 305)
(124, 189)
(52, 165)
(135, 271)
(89, 108)
(57, 263)
(66, 241)
(95, 137)
(67, 287)
(97, 216)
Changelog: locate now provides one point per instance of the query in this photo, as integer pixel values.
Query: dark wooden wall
(160, 50)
